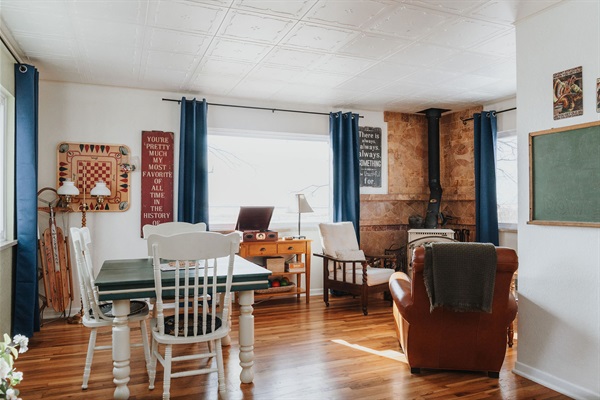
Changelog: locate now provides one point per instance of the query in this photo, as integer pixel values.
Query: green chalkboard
(564, 176)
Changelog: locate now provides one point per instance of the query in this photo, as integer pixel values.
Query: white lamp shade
(100, 189)
(68, 188)
(300, 204)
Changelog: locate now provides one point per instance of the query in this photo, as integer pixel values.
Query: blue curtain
(26, 318)
(343, 131)
(193, 162)
(486, 205)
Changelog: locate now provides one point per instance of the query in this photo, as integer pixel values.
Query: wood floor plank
(302, 351)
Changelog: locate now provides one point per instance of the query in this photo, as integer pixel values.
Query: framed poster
(157, 177)
(568, 93)
(370, 156)
(87, 163)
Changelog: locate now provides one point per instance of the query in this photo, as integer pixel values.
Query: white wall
(559, 271)
(99, 114)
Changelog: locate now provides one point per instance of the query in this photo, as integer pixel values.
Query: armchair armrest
(401, 292)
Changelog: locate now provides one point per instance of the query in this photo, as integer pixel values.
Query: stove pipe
(433, 153)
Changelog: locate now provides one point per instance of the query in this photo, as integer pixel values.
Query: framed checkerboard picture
(87, 163)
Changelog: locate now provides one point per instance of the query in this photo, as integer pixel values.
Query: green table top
(134, 278)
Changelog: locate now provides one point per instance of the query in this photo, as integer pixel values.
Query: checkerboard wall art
(87, 163)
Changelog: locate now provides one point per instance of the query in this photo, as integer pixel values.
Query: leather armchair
(451, 340)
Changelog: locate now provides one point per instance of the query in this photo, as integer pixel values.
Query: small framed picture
(568, 93)
(598, 95)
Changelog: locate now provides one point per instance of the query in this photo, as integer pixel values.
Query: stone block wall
(384, 217)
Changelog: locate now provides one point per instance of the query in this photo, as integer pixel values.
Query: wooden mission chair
(99, 314)
(195, 259)
(345, 266)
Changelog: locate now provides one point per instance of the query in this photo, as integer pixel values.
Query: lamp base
(298, 237)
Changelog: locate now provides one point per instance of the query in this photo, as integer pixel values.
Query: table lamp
(301, 206)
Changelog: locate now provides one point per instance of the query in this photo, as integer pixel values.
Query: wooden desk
(298, 247)
(123, 280)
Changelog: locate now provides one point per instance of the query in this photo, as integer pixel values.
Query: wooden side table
(299, 247)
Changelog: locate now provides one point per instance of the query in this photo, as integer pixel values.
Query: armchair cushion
(350, 255)
(338, 236)
(375, 276)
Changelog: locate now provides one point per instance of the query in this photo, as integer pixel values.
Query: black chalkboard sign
(370, 160)
(564, 176)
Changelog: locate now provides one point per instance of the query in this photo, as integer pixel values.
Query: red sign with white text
(157, 177)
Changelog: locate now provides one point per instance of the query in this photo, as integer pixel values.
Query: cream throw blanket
(460, 276)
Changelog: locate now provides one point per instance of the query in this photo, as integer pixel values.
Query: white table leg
(120, 348)
(246, 299)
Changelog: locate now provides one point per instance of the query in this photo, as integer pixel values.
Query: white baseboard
(554, 383)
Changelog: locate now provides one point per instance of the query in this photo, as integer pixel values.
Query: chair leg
(511, 334)
(152, 368)
(364, 301)
(88, 359)
(167, 372)
(220, 367)
(145, 344)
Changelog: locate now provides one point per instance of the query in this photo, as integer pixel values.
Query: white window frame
(7, 169)
(505, 226)
(292, 224)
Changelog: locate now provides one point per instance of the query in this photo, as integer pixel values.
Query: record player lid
(254, 218)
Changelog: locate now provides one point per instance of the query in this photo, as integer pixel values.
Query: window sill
(7, 243)
(504, 227)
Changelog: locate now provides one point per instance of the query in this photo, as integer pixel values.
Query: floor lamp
(301, 206)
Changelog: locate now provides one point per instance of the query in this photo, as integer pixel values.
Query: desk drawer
(261, 249)
(291, 248)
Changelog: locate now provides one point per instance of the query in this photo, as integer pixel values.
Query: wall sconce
(100, 191)
(66, 191)
(301, 206)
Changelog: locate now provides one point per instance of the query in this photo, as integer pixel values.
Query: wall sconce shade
(68, 188)
(100, 191)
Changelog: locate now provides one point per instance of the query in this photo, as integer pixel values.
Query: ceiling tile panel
(431, 77)
(466, 62)
(237, 50)
(343, 65)
(185, 16)
(225, 67)
(375, 47)
(171, 61)
(503, 45)
(389, 72)
(292, 58)
(348, 14)
(131, 11)
(317, 37)
(422, 54)
(465, 33)
(409, 22)
(451, 6)
(22, 21)
(48, 46)
(178, 42)
(255, 27)
(211, 84)
(109, 33)
(277, 74)
(290, 8)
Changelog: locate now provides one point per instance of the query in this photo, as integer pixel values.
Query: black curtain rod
(464, 121)
(258, 108)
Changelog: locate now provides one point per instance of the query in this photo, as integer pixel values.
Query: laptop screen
(254, 218)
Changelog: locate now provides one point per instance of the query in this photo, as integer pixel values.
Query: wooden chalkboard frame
(532, 178)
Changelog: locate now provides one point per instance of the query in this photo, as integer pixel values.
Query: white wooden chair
(196, 258)
(99, 314)
(169, 229)
(346, 268)
(172, 228)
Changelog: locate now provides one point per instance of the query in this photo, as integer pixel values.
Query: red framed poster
(157, 177)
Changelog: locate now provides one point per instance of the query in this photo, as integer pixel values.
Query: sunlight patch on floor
(391, 354)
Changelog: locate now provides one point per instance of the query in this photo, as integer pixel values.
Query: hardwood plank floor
(303, 351)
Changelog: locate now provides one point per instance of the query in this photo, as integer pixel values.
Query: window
(3, 167)
(267, 169)
(506, 177)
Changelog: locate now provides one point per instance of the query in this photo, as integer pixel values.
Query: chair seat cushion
(170, 325)
(375, 276)
(136, 307)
